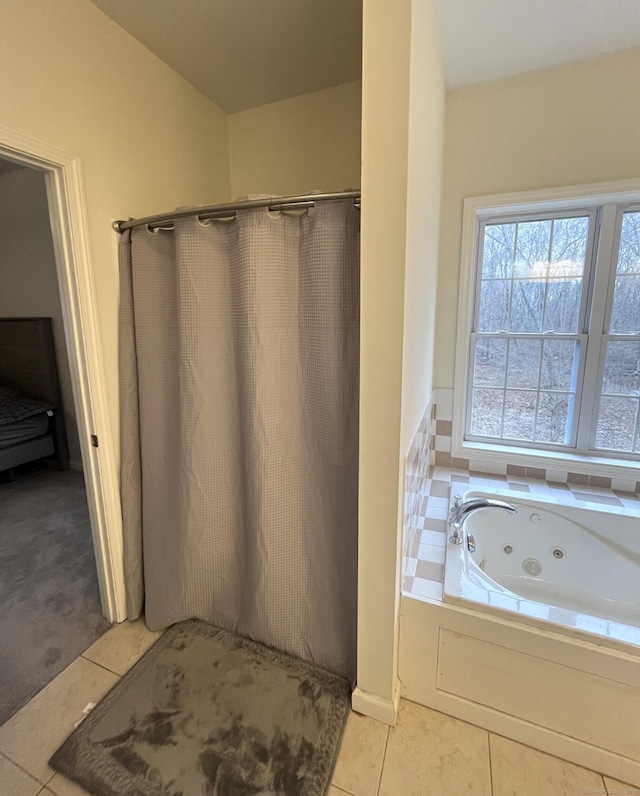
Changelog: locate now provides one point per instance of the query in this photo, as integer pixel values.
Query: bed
(31, 417)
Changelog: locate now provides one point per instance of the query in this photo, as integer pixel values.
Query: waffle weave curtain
(239, 354)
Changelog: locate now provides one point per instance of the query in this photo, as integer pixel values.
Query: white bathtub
(551, 660)
(573, 567)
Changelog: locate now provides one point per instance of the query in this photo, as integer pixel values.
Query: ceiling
(245, 53)
(486, 40)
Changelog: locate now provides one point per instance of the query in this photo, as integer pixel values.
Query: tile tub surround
(417, 473)
(431, 486)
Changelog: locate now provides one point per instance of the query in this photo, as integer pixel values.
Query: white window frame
(476, 212)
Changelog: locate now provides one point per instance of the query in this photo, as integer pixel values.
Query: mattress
(24, 430)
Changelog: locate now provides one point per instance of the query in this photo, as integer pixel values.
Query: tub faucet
(460, 511)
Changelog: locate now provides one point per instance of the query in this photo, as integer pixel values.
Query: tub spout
(460, 511)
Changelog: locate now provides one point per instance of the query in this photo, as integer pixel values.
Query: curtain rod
(229, 210)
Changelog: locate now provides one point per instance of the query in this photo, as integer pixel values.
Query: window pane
(526, 306)
(616, 423)
(519, 414)
(625, 313)
(554, 362)
(524, 363)
(494, 306)
(553, 414)
(629, 255)
(497, 258)
(569, 247)
(532, 249)
(559, 365)
(622, 368)
(541, 290)
(562, 308)
(616, 427)
(486, 412)
(490, 362)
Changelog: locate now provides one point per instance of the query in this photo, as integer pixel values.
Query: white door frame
(65, 193)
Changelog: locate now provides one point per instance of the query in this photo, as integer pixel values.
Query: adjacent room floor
(426, 754)
(48, 583)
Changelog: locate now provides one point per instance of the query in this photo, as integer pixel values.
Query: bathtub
(567, 566)
(538, 636)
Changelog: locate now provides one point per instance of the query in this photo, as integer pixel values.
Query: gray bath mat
(207, 713)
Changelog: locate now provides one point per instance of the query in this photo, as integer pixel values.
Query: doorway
(69, 501)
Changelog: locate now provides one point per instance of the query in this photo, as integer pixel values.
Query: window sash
(575, 391)
(515, 218)
(607, 240)
(600, 336)
(620, 211)
(605, 339)
(581, 337)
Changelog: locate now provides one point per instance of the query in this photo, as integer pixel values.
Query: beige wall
(566, 126)
(148, 140)
(426, 132)
(401, 104)
(385, 129)
(297, 145)
(28, 277)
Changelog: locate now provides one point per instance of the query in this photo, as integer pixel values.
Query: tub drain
(532, 566)
(556, 552)
(508, 549)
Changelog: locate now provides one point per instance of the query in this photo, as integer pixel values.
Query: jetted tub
(575, 567)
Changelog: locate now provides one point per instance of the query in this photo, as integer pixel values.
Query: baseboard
(76, 466)
(384, 710)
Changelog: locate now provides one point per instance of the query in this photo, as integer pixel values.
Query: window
(552, 358)
(618, 424)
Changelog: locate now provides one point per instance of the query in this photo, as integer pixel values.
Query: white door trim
(65, 192)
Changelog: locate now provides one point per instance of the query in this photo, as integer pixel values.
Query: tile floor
(426, 754)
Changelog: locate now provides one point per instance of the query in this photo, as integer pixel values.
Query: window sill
(549, 460)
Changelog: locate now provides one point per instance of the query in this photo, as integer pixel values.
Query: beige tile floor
(426, 754)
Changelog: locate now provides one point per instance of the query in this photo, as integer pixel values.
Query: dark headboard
(27, 358)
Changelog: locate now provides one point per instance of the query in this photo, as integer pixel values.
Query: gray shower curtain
(239, 352)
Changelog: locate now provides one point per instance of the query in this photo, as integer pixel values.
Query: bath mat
(207, 712)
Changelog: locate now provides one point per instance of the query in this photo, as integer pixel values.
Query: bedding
(29, 388)
(15, 407)
(24, 430)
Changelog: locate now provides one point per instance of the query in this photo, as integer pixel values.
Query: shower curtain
(239, 353)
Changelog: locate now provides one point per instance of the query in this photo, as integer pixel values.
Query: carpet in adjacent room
(208, 712)
(48, 582)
